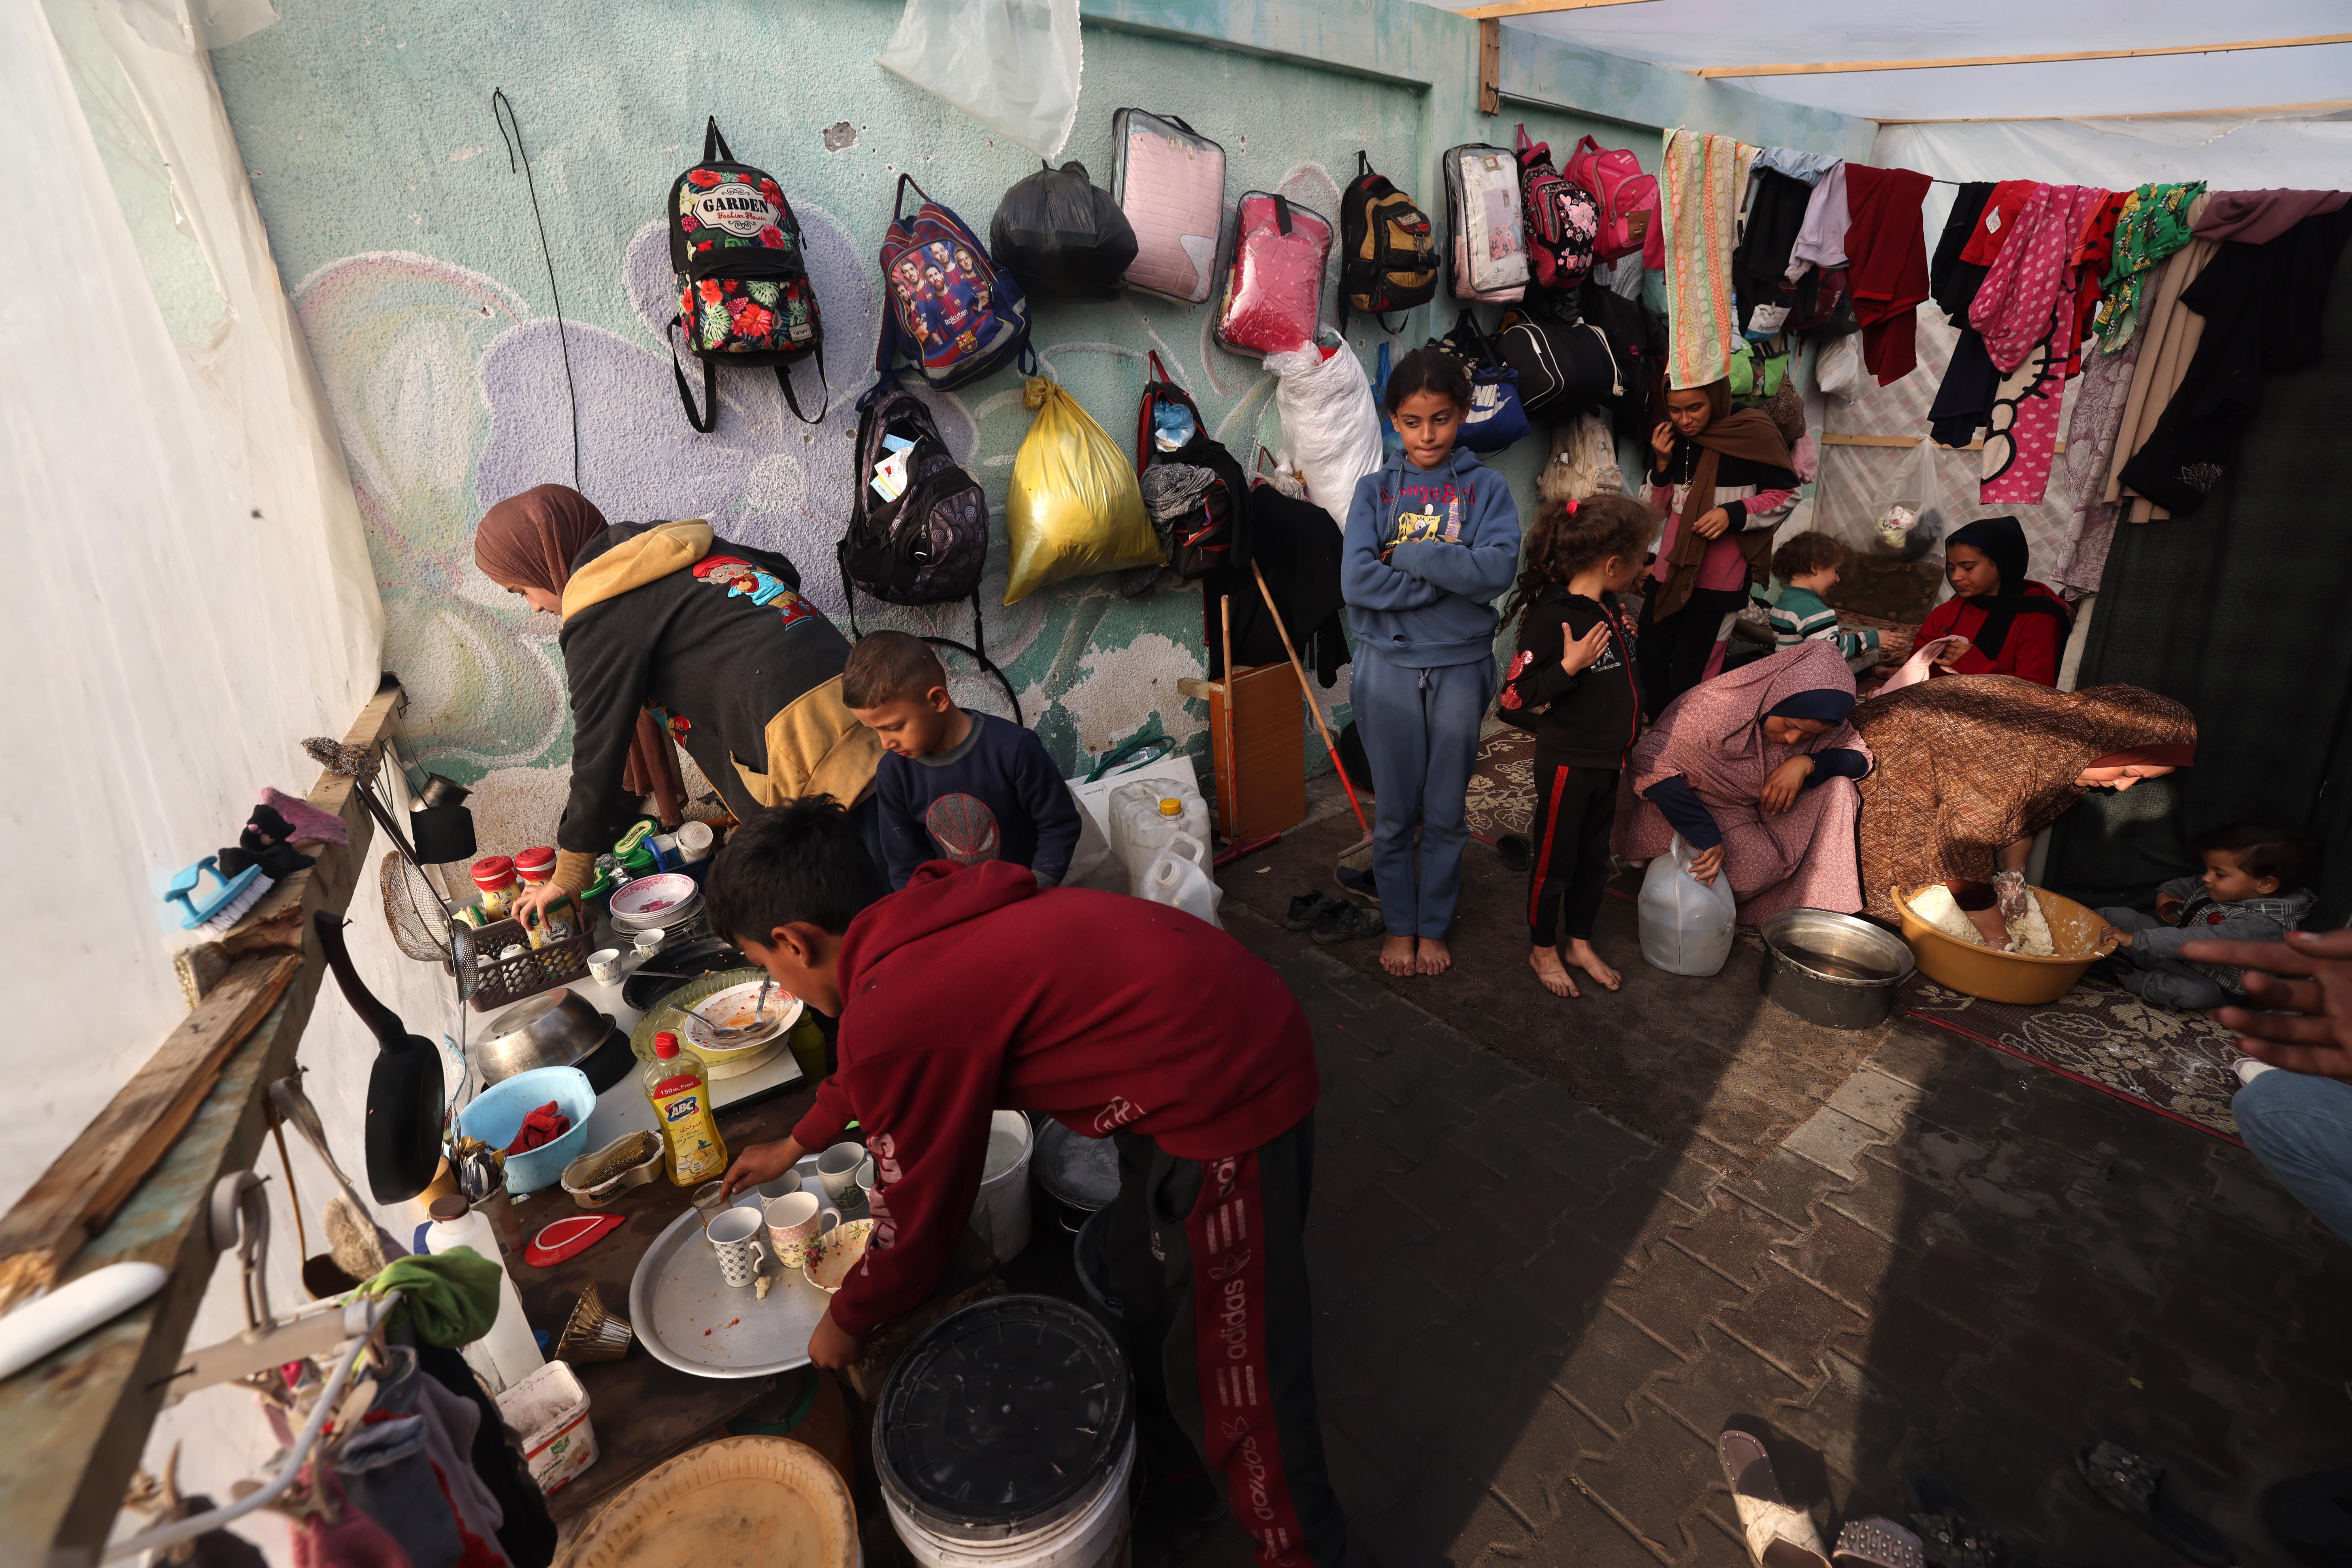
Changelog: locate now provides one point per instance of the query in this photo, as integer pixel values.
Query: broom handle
(1233, 763)
(1312, 707)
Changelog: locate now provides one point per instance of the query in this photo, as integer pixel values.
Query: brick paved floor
(1533, 1322)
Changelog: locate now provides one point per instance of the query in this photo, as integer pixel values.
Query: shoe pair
(1330, 919)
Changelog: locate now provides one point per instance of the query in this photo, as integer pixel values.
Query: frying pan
(404, 1087)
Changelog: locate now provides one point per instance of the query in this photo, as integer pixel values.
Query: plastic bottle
(510, 1351)
(1148, 817)
(679, 1086)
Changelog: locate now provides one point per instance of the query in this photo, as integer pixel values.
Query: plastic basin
(496, 1115)
(2011, 977)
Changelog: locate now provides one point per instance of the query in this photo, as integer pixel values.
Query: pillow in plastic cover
(1170, 181)
(1274, 286)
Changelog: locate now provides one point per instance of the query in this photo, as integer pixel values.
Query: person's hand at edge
(1706, 863)
(2305, 987)
(761, 1162)
(832, 1346)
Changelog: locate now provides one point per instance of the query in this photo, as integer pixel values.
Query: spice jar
(495, 879)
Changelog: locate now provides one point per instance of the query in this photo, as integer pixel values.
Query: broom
(1330, 748)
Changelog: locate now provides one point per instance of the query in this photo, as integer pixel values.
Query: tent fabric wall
(2237, 611)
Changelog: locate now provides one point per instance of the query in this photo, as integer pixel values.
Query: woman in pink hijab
(1756, 769)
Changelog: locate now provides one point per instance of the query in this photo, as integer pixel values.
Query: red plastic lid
(665, 1045)
(494, 871)
(536, 862)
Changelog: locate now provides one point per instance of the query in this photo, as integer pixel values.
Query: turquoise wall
(411, 249)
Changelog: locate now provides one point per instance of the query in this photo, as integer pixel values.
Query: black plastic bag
(1062, 236)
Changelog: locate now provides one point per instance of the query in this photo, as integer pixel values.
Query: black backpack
(1213, 533)
(1063, 236)
(743, 293)
(929, 545)
(1388, 250)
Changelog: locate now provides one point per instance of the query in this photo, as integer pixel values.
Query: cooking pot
(1078, 1173)
(1833, 969)
(554, 1029)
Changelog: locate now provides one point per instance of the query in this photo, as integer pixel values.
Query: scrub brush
(231, 898)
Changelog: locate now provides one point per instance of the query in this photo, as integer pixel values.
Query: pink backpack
(1628, 197)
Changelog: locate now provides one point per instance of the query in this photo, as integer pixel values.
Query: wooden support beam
(1490, 67)
(1537, 9)
(72, 1426)
(1840, 67)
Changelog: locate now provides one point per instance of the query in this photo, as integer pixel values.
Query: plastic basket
(506, 981)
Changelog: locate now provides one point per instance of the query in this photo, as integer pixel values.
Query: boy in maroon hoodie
(974, 989)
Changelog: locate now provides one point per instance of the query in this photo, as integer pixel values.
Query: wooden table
(643, 1411)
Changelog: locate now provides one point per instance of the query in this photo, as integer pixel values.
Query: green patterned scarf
(2154, 224)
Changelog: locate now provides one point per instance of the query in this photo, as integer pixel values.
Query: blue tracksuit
(1424, 622)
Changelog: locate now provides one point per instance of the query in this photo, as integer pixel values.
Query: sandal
(2136, 1488)
(1947, 1536)
(1344, 921)
(1878, 1543)
(1778, 1536)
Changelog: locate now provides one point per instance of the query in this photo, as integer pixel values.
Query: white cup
(735, 1237)
(604, 964)
(767, 1191)
(837, 1169)
(694, 840)
(649, 943)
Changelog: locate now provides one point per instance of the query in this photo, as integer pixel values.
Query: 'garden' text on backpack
(926, 540)
(952, 311)
(743, 278)
(1628, 197)
(1388, 253)
(1562, 218)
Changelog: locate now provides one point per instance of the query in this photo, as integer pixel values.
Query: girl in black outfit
(1573, 683)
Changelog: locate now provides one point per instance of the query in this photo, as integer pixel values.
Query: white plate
(738, 1001)
(649, 895)
(689, 1317)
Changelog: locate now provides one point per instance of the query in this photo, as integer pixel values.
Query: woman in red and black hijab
(1997, 621)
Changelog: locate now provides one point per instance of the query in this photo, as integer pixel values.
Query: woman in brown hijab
(1971, 767)
(1722, 476)
(671, 632)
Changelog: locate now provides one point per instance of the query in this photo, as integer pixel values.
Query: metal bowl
(554, 1029)
(1839, 971)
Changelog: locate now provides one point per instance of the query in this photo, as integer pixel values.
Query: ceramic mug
(649, 943)
(735, 1237)
(758, 1197)
(794, 1221)
(837, 1169)
(604, 964)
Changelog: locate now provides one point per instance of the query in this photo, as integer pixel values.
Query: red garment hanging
(1886, 250)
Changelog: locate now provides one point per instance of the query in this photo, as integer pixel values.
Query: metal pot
(1839, 971)
(1078, 1173)
(554, 1029)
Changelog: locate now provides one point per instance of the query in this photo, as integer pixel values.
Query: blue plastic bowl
(496, 1115)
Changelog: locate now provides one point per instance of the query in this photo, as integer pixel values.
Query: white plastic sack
(1913, 519)
(1685, 923)
(1329, 421)
(1013, 65)
(1180, 881)
(1839, 372)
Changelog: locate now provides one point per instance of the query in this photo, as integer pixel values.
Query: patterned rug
(1503, 782)
(2175, 1064)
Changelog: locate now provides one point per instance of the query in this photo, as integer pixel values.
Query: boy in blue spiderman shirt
(1433, 540)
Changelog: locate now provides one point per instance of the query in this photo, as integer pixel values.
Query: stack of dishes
(670, 901)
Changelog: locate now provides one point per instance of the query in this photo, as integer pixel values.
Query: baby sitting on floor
(2252, 890)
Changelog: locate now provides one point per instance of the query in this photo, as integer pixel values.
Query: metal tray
(692, 1320)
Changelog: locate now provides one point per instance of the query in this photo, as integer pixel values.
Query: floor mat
(2175, 1064)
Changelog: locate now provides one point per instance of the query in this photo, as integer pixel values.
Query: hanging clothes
(1820, 238)
(1952, 283)
(2093, 251)
(1702, 178)
(1294, 545)
(1886, 250)
(1963, 404)
(2168, 336)
(1775, 211)
(1806, 167)
(2098, 413)
(2154, 223)
(2261, 306)
(2257, 218)
(2026, 311)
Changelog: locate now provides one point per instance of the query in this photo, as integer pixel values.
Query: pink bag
(1628, 198)
(1274, 282)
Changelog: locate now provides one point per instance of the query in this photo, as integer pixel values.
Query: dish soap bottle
(510, 1351)
(679, 1085)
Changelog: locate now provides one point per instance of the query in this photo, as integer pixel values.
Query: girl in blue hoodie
(1433, 540)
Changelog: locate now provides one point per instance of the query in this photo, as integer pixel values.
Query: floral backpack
(743, 294)
(1563, 220)
(953, 313)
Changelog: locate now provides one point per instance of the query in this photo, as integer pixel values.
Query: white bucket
(1093, 1536)
(1002, 1209)
(548, 1412)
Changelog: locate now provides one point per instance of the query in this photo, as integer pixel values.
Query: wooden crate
(1260, 755)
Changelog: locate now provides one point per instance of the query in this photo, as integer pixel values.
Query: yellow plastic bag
(1074, 508)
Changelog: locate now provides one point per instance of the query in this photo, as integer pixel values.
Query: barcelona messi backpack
(743, 279)
(954, 314)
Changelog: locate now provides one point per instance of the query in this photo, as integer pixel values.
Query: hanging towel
(449, 1297)
(1700, 200)
(2026, 311)
(1888, 250)
(2155, 222)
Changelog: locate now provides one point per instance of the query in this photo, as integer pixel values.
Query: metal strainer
(412, 910)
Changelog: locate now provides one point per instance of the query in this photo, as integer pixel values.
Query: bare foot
(1435, 957)
(1397, 956)
(1552, 973)
(1989, 923)
(1581, 954)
